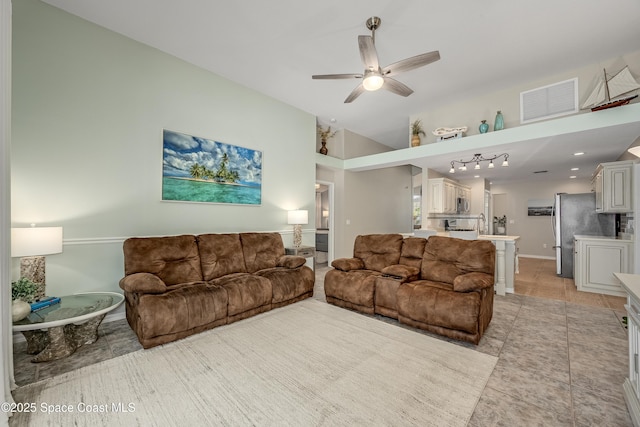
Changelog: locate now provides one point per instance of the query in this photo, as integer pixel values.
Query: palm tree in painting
(197, 171)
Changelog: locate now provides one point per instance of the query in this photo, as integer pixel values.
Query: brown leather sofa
(177, 286)
(440, 284)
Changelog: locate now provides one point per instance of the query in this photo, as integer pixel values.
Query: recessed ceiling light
(572, 177)
(579, 153)
(476, 176)
(575, 169)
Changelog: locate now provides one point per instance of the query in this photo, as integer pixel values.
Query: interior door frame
(332, 210)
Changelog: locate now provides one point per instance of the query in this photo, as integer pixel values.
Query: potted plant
(23, 292)
(501, 224)
(324, 135)
(416, 131)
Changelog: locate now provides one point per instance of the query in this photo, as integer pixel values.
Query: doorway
(324, 222)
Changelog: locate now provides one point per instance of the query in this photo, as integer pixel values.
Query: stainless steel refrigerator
(576, 214)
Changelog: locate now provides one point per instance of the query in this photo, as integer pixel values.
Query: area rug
(306, 364)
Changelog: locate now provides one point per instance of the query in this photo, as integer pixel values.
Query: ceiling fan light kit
(372, 80)
(374, 77)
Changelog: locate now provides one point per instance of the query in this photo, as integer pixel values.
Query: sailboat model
(610, 93)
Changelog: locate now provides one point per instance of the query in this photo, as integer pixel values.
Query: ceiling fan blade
(392, 85)
(368, 53)
(411, 63)
(336, 76)
(356, 93)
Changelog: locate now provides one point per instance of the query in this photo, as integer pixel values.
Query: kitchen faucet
(484, 223)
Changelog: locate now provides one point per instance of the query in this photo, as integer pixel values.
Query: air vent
(558, 99)
(540, 171)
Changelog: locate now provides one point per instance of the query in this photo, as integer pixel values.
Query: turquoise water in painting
(211, 192)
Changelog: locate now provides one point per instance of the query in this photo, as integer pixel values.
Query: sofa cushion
(220, 254)
(291, 261)
(181, 309)
(289, 284)
(261, 250)
(445, 258)
(378, 251)
(144, 283)
(348, 264)
(412, 251)
(472, 282)
(174, 259)
(356, 287)
(405, 272)
(245, 291)
(432, 305)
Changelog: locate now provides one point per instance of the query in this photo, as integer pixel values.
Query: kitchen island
(506, 261)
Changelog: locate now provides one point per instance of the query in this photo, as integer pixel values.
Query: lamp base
(297, 235)
(33, 268)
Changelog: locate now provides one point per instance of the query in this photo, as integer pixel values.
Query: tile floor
(562, 354)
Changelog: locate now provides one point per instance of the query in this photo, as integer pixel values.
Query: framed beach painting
(197, 169)
(536, 207)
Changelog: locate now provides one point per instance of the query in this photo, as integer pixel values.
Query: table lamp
(297, 218)
(31, 244)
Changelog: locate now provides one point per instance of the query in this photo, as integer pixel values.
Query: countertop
(586, 237)
(492, 237)
(630, 283)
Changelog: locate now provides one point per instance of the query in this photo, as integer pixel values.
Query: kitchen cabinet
(444, 193)
(631, 386)
(613, 185)
(596, 259)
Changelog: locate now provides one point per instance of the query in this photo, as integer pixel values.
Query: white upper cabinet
(613, 185)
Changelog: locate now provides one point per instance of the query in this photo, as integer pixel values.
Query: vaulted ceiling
(274, 47)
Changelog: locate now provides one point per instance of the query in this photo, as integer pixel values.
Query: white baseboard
(536, 256)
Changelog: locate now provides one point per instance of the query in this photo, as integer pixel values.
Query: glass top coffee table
(57, 331)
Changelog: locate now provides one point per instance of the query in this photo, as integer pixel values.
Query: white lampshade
(635, 150)
(298, 217)
(36, 241)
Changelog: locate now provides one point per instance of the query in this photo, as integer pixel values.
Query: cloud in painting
(181, 152)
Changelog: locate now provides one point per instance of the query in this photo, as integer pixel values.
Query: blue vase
(499, 124)
(484, 127)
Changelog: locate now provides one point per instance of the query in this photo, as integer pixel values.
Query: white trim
(6, 345)
(537, 256)
(120, 240)
(332, 223)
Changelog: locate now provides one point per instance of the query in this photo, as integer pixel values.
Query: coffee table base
(61, 341)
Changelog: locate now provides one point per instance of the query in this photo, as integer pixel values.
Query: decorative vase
(499, 124)
(415, 141)
(484, 127)
(323, 149)
(19, 310)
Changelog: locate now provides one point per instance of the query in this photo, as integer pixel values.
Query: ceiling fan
(375, 77)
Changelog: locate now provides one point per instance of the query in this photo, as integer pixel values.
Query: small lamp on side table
(31, 244)
(297, 218)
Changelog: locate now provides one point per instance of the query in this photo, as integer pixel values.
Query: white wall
(89, 107)
(470, 112)
(377, 201)
(534, 232)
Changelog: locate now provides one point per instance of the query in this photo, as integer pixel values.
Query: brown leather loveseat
(177, 286)
(440, 284)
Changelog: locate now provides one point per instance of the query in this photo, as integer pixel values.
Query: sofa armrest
(143, 283)
(291, 261)
(348, 264)
(403, 272)
(472, 282)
